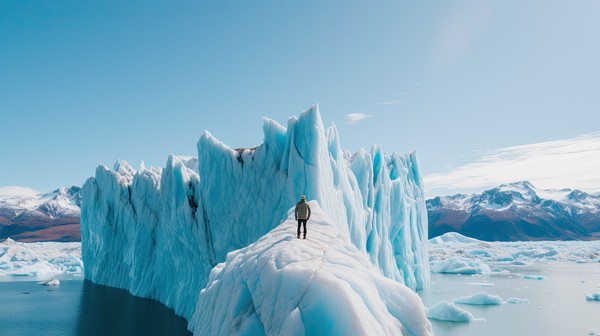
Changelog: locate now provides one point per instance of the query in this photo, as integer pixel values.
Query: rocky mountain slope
(517, 211)
(27, 215)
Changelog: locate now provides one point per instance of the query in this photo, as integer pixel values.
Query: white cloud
(570, 163)
(391, 102)
(353, 118)
(11, 191)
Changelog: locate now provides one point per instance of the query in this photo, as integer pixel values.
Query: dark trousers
(303, 223)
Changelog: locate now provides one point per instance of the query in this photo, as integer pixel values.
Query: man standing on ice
(302, 214)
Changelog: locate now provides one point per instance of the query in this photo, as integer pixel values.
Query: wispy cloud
(570, 163)
(353, 118)
(391, 102)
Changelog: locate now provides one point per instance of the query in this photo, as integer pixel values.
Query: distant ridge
(517, 211)
(27, 215)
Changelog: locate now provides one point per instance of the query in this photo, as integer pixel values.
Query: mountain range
(517, 211)
(27, 215)
(509, 212)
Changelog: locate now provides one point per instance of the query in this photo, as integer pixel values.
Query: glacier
(158, 232)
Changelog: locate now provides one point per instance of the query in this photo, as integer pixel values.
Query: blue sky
(83, 83)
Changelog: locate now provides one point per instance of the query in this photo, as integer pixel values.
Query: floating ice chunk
(534, 277)
(482, 298)
(592, 297)
(52, 282)
(447, 311)
(460, 265)
(516, 300)
(594, 332)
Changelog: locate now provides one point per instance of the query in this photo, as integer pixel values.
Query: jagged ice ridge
(159, 232)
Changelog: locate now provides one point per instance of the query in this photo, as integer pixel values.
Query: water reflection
(110, 311)
(79, 307)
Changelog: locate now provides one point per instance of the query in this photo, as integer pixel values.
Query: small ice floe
(516, 301)
(534, 277)
(460, 265)
(592, 297)
(482, 284)
(482, 298)
(52, 282)
(594, 332)
(448, 312)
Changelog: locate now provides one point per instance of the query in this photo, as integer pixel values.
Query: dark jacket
(302, 210)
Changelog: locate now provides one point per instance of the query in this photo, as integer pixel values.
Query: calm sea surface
(557, 304)
(78, 307)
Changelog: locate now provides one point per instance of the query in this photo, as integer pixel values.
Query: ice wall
(158, 233)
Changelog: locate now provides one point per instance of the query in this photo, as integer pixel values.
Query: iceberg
(533, 277)
(592, 297)
(159, 232)
(448, 312)
(482, 298)
(323, 285)
(51, 282)
(454, 237)
(460, 265)
(516, 300)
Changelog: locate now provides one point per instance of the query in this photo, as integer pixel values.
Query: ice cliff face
(158, 233)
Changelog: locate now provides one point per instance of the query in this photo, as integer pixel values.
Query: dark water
(79, 307)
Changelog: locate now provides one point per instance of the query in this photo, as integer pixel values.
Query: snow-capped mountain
(517, 211)
(28, 215)
(161, 233)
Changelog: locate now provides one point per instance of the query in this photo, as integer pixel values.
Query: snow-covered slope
(323, 285)
(159, 232)
(517, 211)
(28, 215)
